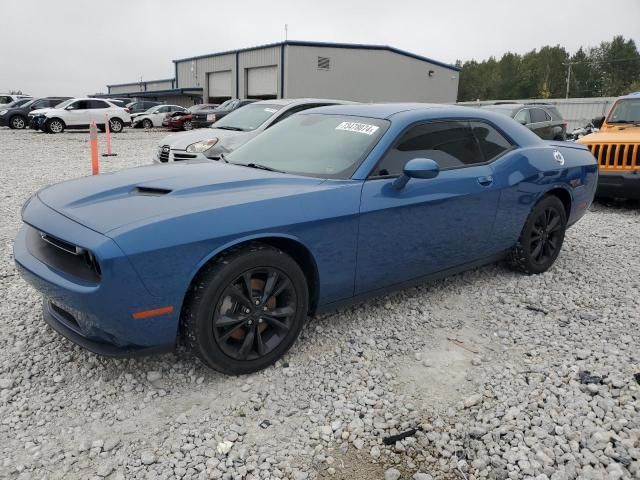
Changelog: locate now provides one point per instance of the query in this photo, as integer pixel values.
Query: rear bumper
(619, 185)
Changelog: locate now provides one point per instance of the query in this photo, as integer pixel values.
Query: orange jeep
(617, 148)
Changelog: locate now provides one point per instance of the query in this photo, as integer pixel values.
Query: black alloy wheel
(541, 238)
(254, 313)
(245, 309)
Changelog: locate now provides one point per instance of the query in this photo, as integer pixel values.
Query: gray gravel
(488, 366)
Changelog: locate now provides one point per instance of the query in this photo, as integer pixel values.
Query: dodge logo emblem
(558, 156)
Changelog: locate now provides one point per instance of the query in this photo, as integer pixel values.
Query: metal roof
(298, 43)
(138, 83)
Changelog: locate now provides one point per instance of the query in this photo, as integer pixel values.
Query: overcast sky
(76, 47)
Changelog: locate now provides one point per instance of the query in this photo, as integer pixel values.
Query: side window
(539, 115)
(95, 104)
(79, 105)
(451, 144)
(5, 99)
(492, 143)
(523, 117)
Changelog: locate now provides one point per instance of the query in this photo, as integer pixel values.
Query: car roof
(384, 110)
(302, 101)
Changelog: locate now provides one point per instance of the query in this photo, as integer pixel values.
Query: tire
(18, 122)
(187, 125)
(146, 123)
(54, 125)
(245, 310)
(116, 125)
(542, 237)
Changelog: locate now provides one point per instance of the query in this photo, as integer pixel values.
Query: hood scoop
(150, 191)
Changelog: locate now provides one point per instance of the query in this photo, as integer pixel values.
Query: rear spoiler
(566, 144)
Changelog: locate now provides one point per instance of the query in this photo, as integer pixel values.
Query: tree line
(607, 70)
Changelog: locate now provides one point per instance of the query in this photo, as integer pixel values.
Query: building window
(323, 63)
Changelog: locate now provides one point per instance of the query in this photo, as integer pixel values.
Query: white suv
(79, 113)
(154, 116)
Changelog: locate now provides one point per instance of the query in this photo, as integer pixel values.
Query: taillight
(127, 110)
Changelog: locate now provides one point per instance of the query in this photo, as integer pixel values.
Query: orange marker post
(107, 130)
(93, 142)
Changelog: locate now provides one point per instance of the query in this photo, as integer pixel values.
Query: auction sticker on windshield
(357, 127)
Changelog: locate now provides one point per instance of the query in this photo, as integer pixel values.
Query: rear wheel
(246, 309)
(146, 123)
(116, 125)
(18, 122)
(55, 125)
(541, 238)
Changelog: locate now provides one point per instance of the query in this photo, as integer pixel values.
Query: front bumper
(201, 123)
(619, 185)
(96, 313)
(166, 154)
(3, 121)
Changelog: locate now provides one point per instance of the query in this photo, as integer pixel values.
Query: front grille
(63, 256)
(616, 156)
(164, 153)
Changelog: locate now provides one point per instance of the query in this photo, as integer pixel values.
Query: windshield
(29, 103)
(228, 104)
(316, 145)
(248, 117)
(625, 111)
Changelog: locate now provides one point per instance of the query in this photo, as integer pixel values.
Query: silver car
(233, 130)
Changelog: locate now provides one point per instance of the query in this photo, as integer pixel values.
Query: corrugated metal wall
(577, 112)
(130, 87)
(162, 85)
(366, 76)
(263, 57)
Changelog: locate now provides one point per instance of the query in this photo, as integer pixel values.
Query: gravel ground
(486, 370)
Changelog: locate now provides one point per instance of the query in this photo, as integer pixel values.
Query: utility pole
(568, 64)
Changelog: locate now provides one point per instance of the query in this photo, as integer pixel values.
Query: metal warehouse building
(295, 69)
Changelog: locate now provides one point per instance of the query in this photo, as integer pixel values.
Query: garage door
(220, 84)
(262, 82)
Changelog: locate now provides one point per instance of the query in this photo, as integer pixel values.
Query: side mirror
(417, 168)
(597, 122)
(70, 107)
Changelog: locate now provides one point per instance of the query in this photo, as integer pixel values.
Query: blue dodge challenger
(327, 207)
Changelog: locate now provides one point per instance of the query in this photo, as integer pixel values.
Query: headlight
(202, 146)
(2, 112)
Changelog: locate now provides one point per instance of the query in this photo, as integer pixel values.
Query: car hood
(153, 193)
(180, 141)
(624, 134)
(39, 111)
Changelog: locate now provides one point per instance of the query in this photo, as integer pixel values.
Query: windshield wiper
(235, 129)
(260, 167)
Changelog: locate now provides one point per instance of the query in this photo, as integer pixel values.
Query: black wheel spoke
(275, 322)
(260, 347)
(239, 295)
(282, 311)
(231, 331)
(285, 284)
(246, 279)
(535, 253)
(247, 344)
(227, 321)
(272, 280)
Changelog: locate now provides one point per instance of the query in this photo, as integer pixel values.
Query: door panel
(429, 226)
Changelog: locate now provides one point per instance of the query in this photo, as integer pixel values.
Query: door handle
(485, 181)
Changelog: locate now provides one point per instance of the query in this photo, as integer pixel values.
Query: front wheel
(541, 238)
(187, 125)
(246, 309)
(146, 123)
(54, 125)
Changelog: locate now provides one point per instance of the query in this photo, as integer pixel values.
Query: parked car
(79, 113)
(542, 119)
(616, 145)
(325, 208)
(233, 130)
(17, 117)
(15, 103)
(143, 106)
(183, 120)
(6, 98)
(154, 116)
(205, 118)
